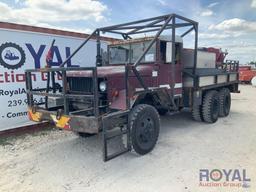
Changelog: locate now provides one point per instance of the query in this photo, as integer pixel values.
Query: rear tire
(225, 102)
(145, 123)
(197, 113)
(211, 107)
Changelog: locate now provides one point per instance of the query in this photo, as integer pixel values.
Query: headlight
(103, 86)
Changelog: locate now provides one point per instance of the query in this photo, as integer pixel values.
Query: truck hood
(106, 71)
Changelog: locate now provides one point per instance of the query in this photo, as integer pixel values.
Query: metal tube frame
(64, 93)
(173, 64)
(136, 29)
(145, 25)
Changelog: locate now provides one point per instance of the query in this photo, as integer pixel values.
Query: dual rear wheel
(215, 104)
(145, 121)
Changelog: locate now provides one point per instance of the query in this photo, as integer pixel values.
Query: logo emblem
(12, 56)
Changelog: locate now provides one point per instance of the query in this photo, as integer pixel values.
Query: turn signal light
(61, 122)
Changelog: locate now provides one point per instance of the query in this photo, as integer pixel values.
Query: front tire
(225, 102)
(145, 124)
(211, 107)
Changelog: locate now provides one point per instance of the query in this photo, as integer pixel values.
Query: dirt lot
(54, 160)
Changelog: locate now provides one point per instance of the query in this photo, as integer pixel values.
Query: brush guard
(64, 91)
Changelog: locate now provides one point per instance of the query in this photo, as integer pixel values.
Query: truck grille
(80, 84)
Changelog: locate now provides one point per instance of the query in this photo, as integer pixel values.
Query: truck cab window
(129, 53)
(119, 54)
(166, 51)
(138, 49)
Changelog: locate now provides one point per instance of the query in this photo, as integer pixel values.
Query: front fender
(119, 102)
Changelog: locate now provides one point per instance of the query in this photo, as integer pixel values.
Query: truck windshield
(129, 53)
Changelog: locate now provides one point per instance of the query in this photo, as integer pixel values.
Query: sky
(226, 24)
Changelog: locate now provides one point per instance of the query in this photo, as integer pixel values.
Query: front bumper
(76, 123)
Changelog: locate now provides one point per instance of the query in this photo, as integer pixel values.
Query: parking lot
(55, 160)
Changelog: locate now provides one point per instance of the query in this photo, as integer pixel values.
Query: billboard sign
(21, 50)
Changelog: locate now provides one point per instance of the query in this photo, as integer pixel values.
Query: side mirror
(168, 54)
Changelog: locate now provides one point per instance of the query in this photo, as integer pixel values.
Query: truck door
(165, 67)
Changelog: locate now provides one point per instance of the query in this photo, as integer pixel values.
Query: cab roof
(178, 39)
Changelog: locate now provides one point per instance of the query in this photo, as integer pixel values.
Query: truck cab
(155, 67)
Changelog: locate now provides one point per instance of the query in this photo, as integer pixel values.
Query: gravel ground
(54, 160)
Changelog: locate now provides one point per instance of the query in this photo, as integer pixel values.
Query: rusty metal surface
(85, 124)
(137, 40)
(77, 123)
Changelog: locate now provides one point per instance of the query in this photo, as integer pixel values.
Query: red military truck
(137, 80)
